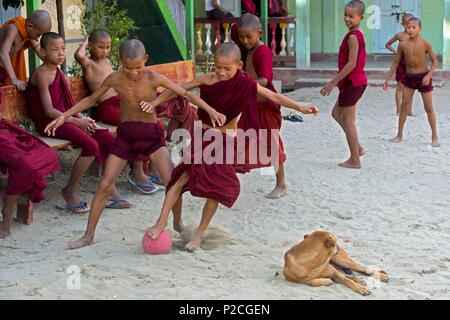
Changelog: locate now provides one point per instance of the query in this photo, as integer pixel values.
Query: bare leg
(114, 165)
(349, 124)
(7, 212)
(338, 115)
(428, 104)
(209, 210)
(398, 96)
(280, 189)
(137, 173)
(407, 100)
(79, 168)
(171, 200)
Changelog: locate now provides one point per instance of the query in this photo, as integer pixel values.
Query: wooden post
(33, 58)
(446, 35)
(265, 20)
(303, 47)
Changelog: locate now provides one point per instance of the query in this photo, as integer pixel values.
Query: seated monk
(28, 161)
(16, 35)
(232, 93)
(48, 96)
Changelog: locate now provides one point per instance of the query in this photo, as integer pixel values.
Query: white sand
(393, 214)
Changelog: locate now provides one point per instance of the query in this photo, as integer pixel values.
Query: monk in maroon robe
(208, 167)
(28, 161)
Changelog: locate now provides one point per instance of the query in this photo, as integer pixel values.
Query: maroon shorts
(350, 95)
(136, 138)
(414, 81)
(400, 73)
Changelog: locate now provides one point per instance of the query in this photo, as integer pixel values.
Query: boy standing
(16, 35)
(417, 77)
(139, 132)
(351, 80)
(48, 96)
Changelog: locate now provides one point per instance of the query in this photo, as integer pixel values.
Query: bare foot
(80, 243)
(5, 232)
(349, 164)
(196, 241)
(178, 225)
(435, 143)
(396, 139)
(156, 230)
(278, 192)
(362, 151)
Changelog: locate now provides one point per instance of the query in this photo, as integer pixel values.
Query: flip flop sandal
(73, 207)
(118, 204)
(156, 180)
(293, 118)
(147, 188)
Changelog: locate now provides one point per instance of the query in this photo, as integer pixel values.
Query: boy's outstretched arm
(37, 48)
(80, 54)
(81, 106)
(281, 99)
(9, 35)
(353, 45)
(394, 67)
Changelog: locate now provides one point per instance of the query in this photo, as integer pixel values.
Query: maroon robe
(28, 160)
(219, 181)
(97, 145)
(3, 77)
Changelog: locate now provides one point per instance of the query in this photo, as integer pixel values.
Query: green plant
(106, 14)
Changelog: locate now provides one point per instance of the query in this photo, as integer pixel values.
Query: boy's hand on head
(50, 129)
(19, 84)
(217, 119)
(147, 106)
(309, 109)
(328, 88)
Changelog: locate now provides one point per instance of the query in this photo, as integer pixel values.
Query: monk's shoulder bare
(208, 78)
(114, 78)
(42, 76)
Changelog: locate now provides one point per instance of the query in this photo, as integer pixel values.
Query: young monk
(401, 70)
(138, 133)
(351, 80)
(417, 77)
(28, 160)
(48, 96)
(96, 67)
(233, 93)
(258, 62)
(16, 35)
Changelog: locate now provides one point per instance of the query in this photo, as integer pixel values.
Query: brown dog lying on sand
(318, 260)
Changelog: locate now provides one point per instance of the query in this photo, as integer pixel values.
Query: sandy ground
(393, 214)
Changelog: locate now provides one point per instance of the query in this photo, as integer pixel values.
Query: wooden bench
(13, 107)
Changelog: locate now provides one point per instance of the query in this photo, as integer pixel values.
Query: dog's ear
(330, 243)
(305, 236)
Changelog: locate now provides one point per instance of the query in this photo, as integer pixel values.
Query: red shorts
(350, 95)
(414, 81)
(400, 73)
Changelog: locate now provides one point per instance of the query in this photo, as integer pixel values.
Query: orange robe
(18, 62)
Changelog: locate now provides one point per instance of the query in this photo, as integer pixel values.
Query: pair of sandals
(293, 118)
(150, 187)
(83, 207)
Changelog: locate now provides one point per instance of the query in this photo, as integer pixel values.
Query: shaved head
(407, 16)
(99, 34)
(49, 36)
(41, 20)
(229, 49)
(249, 21)
(357, 5)
(416, 20)
(132, 49)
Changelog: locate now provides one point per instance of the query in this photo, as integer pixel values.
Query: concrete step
(288, 76)
(320, 82)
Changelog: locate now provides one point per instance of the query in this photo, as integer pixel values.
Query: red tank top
(358, 75)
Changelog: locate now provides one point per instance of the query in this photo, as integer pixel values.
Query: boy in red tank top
(351, 80)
